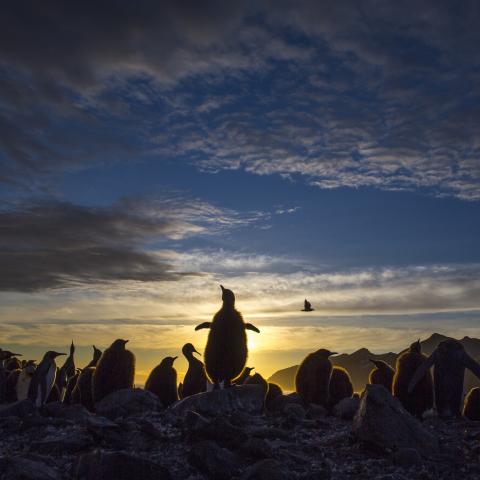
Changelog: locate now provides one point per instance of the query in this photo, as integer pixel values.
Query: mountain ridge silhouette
(359, 366)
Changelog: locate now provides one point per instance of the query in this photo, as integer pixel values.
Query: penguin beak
(58, 354)
(16, 354)
(223, 289)
(195, 351)
(125, 341)
(333, 353)
(173, 359)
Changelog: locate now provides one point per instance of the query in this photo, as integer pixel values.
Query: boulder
(248, 398)
(16, 468)
(118, 466)
(127, 402)
(64, 442)
(214, 461)
(278, 404)
(220, 430)
(267, 469)
(20, 409)
(382, 421)
(346, 408)
(406, 457)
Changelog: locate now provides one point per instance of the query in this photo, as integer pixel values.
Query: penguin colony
(317, 380)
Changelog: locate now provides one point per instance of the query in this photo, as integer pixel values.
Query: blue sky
(287, 149)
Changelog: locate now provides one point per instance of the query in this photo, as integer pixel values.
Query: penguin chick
(23, 381)
(115, 370)
(226, 351)
(11, 385)
(162, 381)
(382, 374)
(471, 408)
(274, 391)
(340, 386)
(195, 380)
(421, 398)
(43, 379)
(313, 377)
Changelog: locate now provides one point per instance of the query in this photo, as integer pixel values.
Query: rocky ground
(225, 435)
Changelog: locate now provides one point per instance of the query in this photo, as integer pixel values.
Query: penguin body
(65, 372)
(43, 379)
(382, 374)
(471, 409)
(115, 370)
(313, 377)
(257, 379)
(226, 351)
(340, 386)
(421, 398)
(195, 380)
(82, 392)
(13, 364)
(244, 376)
(11, 385)
(274, 391)
(162, 381)
(449, 360)
(23, 381)
(71, 384)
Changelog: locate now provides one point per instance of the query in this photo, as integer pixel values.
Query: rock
(279, 403)
(316, 412)
(248, 398)
(256, 448)
(19, 468)
(214, 461)
(18, 409)
(346, 408)
(382, 421)
(71, 442)
(294, 411)
(75, 413)
(100, 465)
(406, 457)
(267, 469)
(127, 402)
(220, 430)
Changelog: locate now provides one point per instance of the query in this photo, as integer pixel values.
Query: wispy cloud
(50, 244)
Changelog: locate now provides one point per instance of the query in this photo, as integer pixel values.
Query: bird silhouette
(307, 306)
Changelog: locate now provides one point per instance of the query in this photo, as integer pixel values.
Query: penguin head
(6, 354)
(52, 355)
(379, 363)
(415, 347)
(168, 362)
(97, 353)
(249, 369)
(323, 352)
(188, 349)
(228, 298)
(118, 344)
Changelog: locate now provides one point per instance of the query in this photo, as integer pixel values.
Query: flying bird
(307, 306)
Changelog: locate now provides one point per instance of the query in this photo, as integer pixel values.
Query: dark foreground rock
(382, 421)
(128, 402)
(298, 442)
(244, 398)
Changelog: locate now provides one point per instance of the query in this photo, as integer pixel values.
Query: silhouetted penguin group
(317, 380)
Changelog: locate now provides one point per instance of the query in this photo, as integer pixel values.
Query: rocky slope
(232, 438)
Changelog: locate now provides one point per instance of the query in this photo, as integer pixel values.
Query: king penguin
(382, 374)
(226, 351)
(65, 372)
(340, 386)
(195, 380)
(162, 381)
(115, 370)
(313, 377)
(43, 379)
(82, 393)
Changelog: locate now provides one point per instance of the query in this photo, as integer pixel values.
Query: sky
(151, 151)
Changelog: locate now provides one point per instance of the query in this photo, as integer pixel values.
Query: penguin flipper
(421, 371)
(249, 326)
(472, 365)
(203, 325)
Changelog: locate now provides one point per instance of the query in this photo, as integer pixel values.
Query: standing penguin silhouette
(226, 351)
